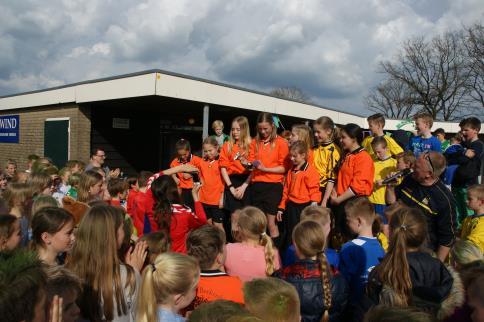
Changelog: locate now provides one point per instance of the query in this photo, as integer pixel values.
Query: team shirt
(473, 230)
(326, 158)
(270, 154)
(227, 159)
(212, 184)
(382, 169)
(182, 222)
(217, 285)
(419, 145)
(301, 186)
(185, 183)
(356, 173)
(392, 146)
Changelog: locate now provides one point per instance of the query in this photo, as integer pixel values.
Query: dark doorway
(56, 140)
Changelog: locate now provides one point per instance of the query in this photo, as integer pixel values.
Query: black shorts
(266, 196)
(214, 212)
(230, 203)
(290, 218)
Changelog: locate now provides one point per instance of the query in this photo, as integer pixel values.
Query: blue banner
(9, 129)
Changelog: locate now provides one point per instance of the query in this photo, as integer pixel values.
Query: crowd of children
(322, 225)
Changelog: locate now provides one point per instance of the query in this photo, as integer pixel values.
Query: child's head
(310, 241)
(383, 313)
(218, 127)
(17, 195)
(158, 243)
(323, 129)
(360, 214)
(423, 123)
(220, 311)
(90, 186)
(252, 224)
(53, 229)
(408, 231)
(475, 198)
(40, 164)
(301, 132)
(118, 188)
(464, 252)
(470, 128)
(266, 129)
(240, 130)
(64, 174)
(65, 284)
(75, 166)
(74, 180)
(351, 136)
(320, 215)
(171, 280)
(22, 281)
(21, 177)
(133, 183)
(272, 299)
(456, 139)
(299, 153)
(43, 201)
(380, 147)
(210, 148)
(183, 150)
(440, 134)
(41, 183)
(376, 123)
(206, 244)
(405, 160)
(10, 167)
(31, 158)
(10, 233)
(165, 193)
(143, 178)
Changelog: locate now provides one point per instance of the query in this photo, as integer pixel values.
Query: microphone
(397, 175)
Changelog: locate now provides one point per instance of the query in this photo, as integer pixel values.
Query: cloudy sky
(330, 49)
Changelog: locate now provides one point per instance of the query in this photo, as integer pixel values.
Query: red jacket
(184, 220)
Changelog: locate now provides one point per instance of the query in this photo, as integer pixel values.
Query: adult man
(97, 161)
(423, 189)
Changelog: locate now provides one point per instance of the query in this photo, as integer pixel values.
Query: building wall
(31, 133)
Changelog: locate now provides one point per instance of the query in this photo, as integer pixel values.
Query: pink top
(247, 261)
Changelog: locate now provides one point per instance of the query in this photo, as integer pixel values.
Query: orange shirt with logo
(212, 184)
(227, 159)
(301, 186)
(271, 154)
(185, 183)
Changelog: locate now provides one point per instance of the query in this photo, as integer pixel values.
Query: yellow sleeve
(393, 146)
(367, 145)
(476, 232)
(383, 241)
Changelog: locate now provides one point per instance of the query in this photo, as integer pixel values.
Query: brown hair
(6, 227)
(408, 230)
(60, 280)
(88, 179)
(309, 240)
(38, 182)
(252, 224)
(376, 118)
(272, 299)
(205, 244)
(407, 157)
(143, 178)
(327, 124)
(210, 140)
(427, 118)
(300, 147)
(43, 202)
(265, 117)
(316, 213)
(379, 140)
(245, 139)
(116, 185)
(360, 206)
(48, 220)
(304, 134)
(158, 243)
(18, 195)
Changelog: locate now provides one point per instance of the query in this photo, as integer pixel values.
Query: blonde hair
(94, 258)
(252, 224)
(304, 134)
(327, 124)
(407, 157)
(465, 252)
(478, 190)
(360, 207)
(309, 239)
(272, 299)
(217, 123)
(43, 202)
(265, 117)
(87, 180)
(427, 118)
(245, 139)
(170, 274)
(316, 213)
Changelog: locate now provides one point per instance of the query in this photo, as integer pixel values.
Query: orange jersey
(185, 183)
(271, 154)
(356, 173)
(212, 184)
(301, 186)
(227, 159)
(217, 285)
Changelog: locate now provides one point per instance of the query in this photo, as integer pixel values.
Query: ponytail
(326, 285)
(147, 304)
(266, 241)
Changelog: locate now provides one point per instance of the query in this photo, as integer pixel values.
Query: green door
(56, 141)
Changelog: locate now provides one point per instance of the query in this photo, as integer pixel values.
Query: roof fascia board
(53, 97)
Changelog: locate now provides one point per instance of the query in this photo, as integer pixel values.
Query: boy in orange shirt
(206, 244)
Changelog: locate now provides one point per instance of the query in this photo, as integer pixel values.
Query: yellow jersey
(382, 169)
(326, 158)
(473, 230)
(392, 146)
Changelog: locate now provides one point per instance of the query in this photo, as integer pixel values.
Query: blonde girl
(254, 256)
(312, 272)
(269, 158)
(90, 187)
(110, 287)
(407, 276)
(10, 234)
(52, 233)
(236, 177)
(302, 132)
(326, 155)
(18, 197)
(168, 286)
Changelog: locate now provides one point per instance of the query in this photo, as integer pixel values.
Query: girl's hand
(187, 168)
(136, 257)
(55, 314)
(279, 215)
(240, 191)
(196, 191)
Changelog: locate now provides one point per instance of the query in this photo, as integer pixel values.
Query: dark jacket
(436, 288)
(305, 275)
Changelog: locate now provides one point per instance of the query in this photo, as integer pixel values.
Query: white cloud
(329, 49)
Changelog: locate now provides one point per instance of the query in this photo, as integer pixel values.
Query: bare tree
(292, 93)
(391, 98)
(474, 49)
